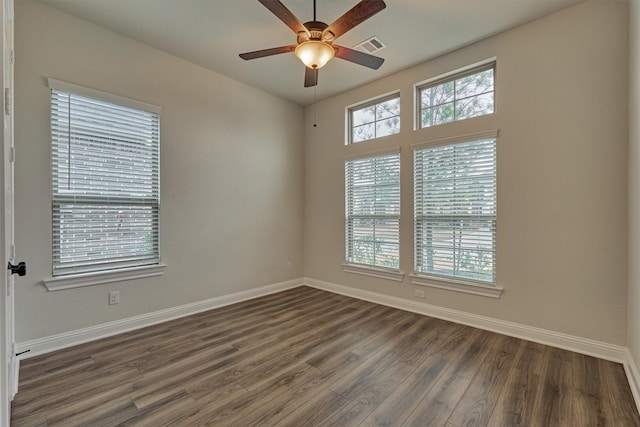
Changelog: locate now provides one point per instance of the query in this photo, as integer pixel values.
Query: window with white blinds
(373, 211)
(455, 210)
(106, 184)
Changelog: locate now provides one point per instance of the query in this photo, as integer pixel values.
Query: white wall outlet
(418, 293)
(289, 265)
(114, 297)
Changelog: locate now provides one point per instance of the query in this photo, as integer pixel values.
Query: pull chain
(315, 104)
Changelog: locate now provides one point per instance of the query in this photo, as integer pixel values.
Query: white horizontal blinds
(373, 211)
(106, 195)
(455, 210)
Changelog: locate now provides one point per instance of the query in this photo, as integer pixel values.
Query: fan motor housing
(316, 32)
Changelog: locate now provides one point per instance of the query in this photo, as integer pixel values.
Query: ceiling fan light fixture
(314, 53)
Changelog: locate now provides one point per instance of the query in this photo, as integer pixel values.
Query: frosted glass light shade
(314, 54)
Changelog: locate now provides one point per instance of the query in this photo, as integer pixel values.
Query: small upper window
(461, 96)
(374, 119)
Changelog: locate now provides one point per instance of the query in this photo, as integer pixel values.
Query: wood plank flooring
(306, 357)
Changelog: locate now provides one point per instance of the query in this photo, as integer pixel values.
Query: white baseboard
(633, 376)
(67, 339)
(556, 339)
(586, 346)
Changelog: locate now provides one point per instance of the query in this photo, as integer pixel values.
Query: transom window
(462, 96)
(106, 184)
(455, 210)
(375, 119)
(373, 211)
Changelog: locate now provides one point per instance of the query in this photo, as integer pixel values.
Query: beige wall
(633, 319)
(562, 174)
(231, 180)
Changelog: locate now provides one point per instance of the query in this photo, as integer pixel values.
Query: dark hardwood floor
(306, 357)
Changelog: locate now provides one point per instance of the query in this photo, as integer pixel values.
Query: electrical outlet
(418, 293)
(289, 266)
(114, 297)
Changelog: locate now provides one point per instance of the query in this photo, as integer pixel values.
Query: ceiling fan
(315, 39)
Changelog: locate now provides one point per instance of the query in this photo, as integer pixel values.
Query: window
(374, 120)
(462, 96)
(373, 211)
(455, 210)
(106, 183)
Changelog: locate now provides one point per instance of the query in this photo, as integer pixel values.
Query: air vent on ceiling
(371, 45)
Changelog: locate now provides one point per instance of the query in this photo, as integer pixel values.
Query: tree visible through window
(455, 210)
(463, 96)
(375, 120)
(106, 184)
(373, 211)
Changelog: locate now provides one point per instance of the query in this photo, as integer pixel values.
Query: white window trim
(443, 78)
(487, 134)
(79, 280)
(370, 270)
(93, 93)
(452, 283)
(465, 286)
(376, 153)
(101, 277)
(369, 102)
(366, 270)
(448, 75)
(381, 273)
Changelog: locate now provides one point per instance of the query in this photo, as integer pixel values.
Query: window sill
(381, 273)
(458, 286)
(102, 277)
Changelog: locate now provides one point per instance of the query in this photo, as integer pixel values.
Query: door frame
(9, 374)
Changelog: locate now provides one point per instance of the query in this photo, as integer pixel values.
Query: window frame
(375, 270)
(361, 106)
(452, 282)
(452, 77)
(91, 274)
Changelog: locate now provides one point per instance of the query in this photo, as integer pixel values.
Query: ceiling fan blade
(267, 52)
(285, 15)
(356, 15)
(361, 58)
(310, 77)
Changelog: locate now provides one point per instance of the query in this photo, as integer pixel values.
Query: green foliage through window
(461, 97)
(375, 120)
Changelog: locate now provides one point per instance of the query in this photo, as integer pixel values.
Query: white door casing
(9, 361)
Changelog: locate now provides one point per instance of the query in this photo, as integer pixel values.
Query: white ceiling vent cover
(371, 45)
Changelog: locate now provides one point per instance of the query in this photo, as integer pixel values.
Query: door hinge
(7, 101)
(12, 57)
(12, 154)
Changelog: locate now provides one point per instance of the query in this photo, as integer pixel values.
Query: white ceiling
(211, 33)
